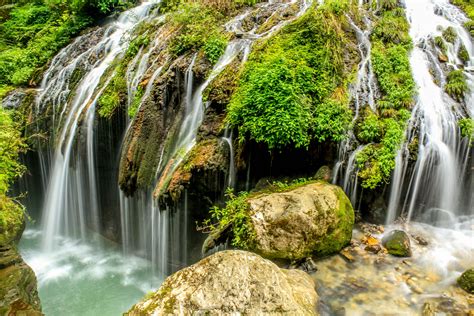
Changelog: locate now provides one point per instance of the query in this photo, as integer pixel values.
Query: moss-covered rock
(466, 281)
(315, 218)
(18, 286)
(397, 243)
(232, 283)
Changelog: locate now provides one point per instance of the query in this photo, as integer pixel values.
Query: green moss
(463, 54)
(439, 41)
(450, 35)
(456, 85)
(466, 281)
(11, 144)
(138, 42)
(397, 244)
(293, 89)
(337, 239)
(114, 94)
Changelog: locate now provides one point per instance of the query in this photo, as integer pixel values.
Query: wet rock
(466, 281)
(18, 286)
(373, 248)
(442, 58)
(307, 265)
(420, 240)
(232, 282)
(324, 173)
(315, 218)
(397, 243)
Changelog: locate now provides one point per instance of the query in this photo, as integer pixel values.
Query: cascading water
(167, 228)
(363, 93)
(437, 187)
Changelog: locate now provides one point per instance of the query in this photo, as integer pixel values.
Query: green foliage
(449, 34)
(377, 161)
(113, 95)
(463, 54)
(370, 129)
(392, 28)
(287, 93)
(140, 41)
(137, 98)
(197, 24)
(467, 128)
(214, 47)
(32, 35)
(390, 59)
(11, 145)
(235, 214)
(439, 41)
(456, 85)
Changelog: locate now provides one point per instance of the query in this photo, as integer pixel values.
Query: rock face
(232, 282)
(466, 281)
(18, 293)
(316, 218)
(397, 243)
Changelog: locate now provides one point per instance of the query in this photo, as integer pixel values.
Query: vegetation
(11, 144)
(32, 32)
(383, 132)
(293, 89)
(468, 7)
(467, 128)
(449, 34)
(225, 6)
(199, 27)
(456, 85)
(235, 215)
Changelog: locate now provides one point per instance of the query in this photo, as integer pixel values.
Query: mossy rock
(397, 243)
(313, 219)
(18, 286)
(466, 281)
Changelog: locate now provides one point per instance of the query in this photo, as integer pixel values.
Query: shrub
(286, 93)
(467, 128)
(214, 47)
(456, 85)
(450, 35)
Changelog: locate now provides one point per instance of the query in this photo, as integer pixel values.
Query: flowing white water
(438, 189)
(363, 94)
(64, 207)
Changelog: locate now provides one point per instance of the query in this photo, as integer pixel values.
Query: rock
(466, 281)
(397, 243)
(315, 218)
(232, 282)
(373, 248)
(18, 286)
(324, 173)
(442, 58)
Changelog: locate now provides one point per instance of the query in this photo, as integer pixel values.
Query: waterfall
(363, 93)
(437, 186)
(65, 203)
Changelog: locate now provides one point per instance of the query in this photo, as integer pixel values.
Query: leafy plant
(287, 92)
(214, 47)
(449, 34)
(234, 214)
(456, 85)
(467, 128)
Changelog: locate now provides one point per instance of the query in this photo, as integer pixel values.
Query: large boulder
(232, 282)
(314, 219)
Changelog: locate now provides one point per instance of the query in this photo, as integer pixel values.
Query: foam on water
(73, 277)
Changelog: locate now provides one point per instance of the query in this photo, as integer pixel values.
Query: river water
(84, 278)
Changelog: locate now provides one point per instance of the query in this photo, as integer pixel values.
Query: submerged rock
(316, 218)
(466, 281)
(397, 243)
(232, 282)
(18, 286)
